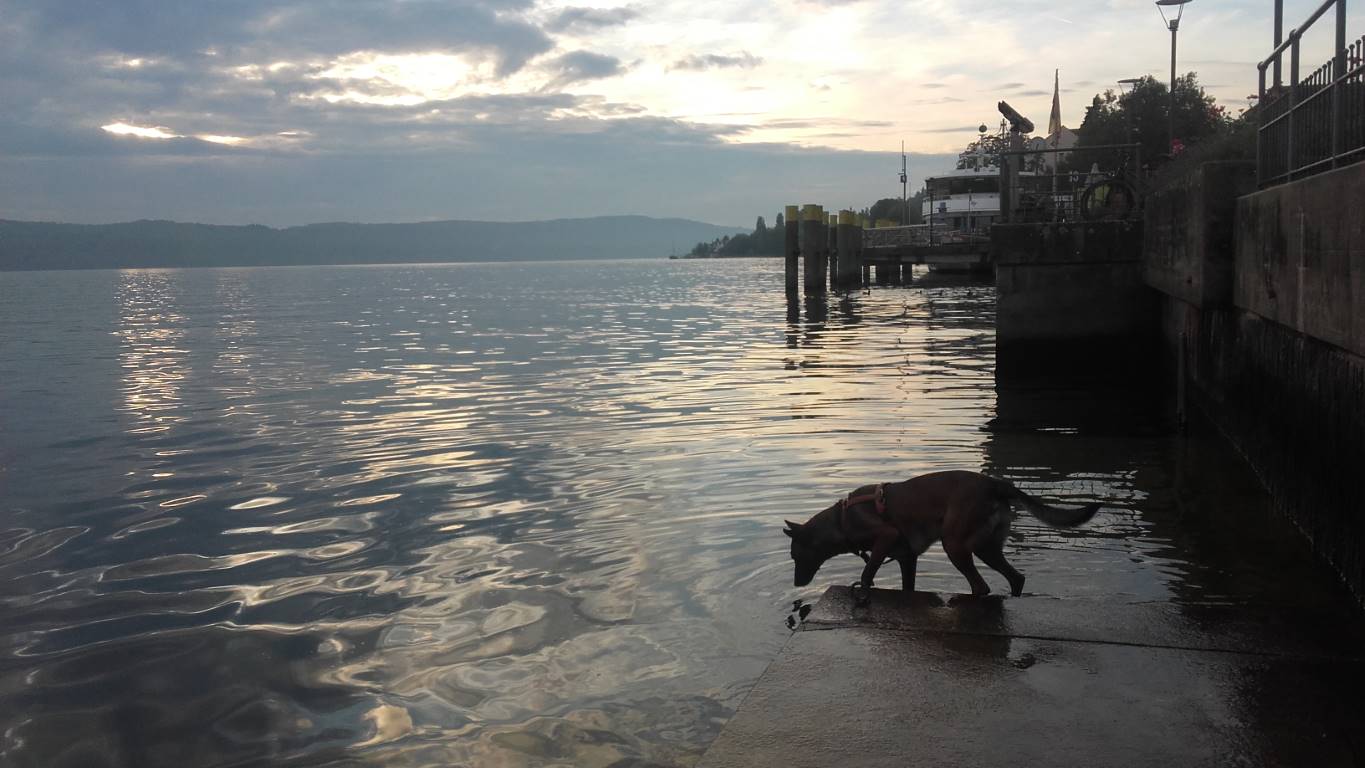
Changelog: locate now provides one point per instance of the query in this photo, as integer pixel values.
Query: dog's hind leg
(908, 563)
(961, 558)
(992, 554)
(990, 547)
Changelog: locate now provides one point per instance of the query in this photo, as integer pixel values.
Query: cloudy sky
(297, 111)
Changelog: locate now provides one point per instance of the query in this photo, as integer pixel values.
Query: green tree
(1140, 116)
(893, 208)
(890, 208)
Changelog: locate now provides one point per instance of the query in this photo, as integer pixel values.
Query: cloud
(824, 122)
(590, 19)
(579, 66)
(703, 62)
(237, 31)
(124, 129)
(950, 129)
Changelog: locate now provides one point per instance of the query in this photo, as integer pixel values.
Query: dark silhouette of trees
(891, 209)
(768, 241)
(1139, 116)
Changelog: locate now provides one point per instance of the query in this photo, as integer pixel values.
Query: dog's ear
(792, 529)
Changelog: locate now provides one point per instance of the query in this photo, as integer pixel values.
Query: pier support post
(813, 249)
(791, 248)
(842, 250)
(863, 267)
(884, 272)
(832, 250)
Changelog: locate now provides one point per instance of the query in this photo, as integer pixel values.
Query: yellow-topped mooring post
(848, 273)
(813, 248)
(791, 246)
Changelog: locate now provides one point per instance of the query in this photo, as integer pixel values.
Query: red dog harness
(878, 497)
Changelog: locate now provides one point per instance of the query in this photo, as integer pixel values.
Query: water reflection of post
(848, 310)
(817, 312)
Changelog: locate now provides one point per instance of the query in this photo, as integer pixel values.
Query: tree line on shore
(767, 241)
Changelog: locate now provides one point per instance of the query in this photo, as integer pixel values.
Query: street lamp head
(1162, 5)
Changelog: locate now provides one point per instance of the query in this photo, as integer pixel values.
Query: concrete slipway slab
(1037, 681)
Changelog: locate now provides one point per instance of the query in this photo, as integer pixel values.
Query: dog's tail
(1065, 518)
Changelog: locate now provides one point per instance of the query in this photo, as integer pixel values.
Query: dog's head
(810, 548)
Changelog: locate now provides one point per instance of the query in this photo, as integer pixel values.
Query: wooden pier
(840, 251)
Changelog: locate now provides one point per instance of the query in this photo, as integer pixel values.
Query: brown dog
(968, 511)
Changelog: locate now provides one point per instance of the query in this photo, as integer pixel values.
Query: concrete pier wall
(1266, 321)
(1071, 296)
(1189, 234)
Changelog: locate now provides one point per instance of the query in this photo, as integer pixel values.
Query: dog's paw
(862, 594)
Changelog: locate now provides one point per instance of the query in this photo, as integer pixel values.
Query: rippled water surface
(517, 514)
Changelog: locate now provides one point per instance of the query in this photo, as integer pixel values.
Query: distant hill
(41, 245)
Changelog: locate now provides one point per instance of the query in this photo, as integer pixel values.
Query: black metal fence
(1315, 123)
(1072, 184)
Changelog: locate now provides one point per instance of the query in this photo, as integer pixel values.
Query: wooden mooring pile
(826, 251)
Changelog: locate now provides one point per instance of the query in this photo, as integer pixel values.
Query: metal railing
(1315, 123)
(895, 237)
(1104, 182)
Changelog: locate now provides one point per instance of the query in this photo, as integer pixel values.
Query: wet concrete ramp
(919, 679)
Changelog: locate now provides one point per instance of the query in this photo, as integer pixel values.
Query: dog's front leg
(881, 547)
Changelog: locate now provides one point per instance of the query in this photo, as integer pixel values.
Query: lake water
(511, 514)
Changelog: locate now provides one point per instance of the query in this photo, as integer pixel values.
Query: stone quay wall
(1262, 307)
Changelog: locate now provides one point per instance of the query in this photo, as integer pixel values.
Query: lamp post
(1172, 24)
(1126, 86)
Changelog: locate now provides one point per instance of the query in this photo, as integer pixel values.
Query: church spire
(1054, 123)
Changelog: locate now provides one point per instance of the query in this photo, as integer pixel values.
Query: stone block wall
(1301, 256)
(1265, 319)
